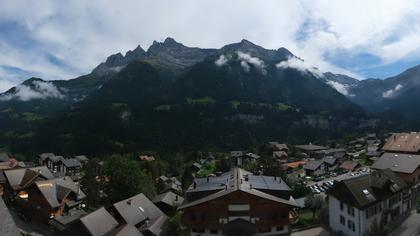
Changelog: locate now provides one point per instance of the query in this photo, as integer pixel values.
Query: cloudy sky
(68, 38)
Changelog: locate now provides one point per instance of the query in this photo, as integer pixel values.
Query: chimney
(194, 185)
(250, 186)
(226, 187)
(176, 197)
(275, 177)
(208, 179)
(129, 202)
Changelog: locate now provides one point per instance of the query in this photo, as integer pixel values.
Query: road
(410, 227)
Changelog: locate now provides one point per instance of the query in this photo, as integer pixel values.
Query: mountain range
(174, 97)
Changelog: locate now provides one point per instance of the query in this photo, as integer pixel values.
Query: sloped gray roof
(169, 198)
(157, 226)
(56, 190)
(136, 209)
(403, 163)
(81, 158)
(367, 190)
(19, 178)
(237, 182)
(262, 182)
(125, 230)
(71, 162)
(310, 147)
(313, 164)
(329, 160)
(99, 222)
(7, 224)
(44, 156)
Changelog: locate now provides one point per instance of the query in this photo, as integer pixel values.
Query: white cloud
(341, 88)
(300, 65)
(221, 61)
(247, 59)
(40, 90)
(392, 92)
(81, 34)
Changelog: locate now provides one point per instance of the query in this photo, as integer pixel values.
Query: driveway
(316, 231)
(409, 227)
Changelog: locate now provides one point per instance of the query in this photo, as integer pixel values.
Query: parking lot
(326, 183)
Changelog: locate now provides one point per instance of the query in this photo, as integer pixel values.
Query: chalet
(7, 224)
(19, 180)
(330, 162)
(70, 167)
(403, 143)
(292, 166)
(238, 203)
(355, 203)
(280, 155)
(8, 163)
(141, 213)
(54, 198)
(51, 161)
(349, 165)
(406, 166)
(98, 223)
(64, 224)
(195, 167)
(279, 146)
(168, 202)
(252, 156)
(167, 184)
(334, 152)
(237, 157)
(101, 223)
(82, 159)
(315, 168)
(310, 149)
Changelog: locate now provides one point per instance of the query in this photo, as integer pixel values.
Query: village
(359, 187)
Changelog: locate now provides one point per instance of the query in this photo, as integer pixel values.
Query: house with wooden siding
(238, 203)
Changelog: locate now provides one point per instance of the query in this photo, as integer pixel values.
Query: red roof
(349, 165)
(295, 164)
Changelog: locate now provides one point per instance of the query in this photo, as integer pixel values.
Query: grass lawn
(208, 169)
(305, 218)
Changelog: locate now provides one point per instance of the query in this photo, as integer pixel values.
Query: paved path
(317, 231)
(409, 227)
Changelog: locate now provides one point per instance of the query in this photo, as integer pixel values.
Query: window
(351, 225)
(341, 205)
(342, 220)
(350, 210)
(367, 214)
(214, 231)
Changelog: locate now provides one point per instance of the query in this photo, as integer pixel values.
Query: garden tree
(126, 179)
(90, 184)
(378, 228)
(314, 203)
(271, 168)
(176, 225)
(187, 177)
(224, 164)
(249, 165)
